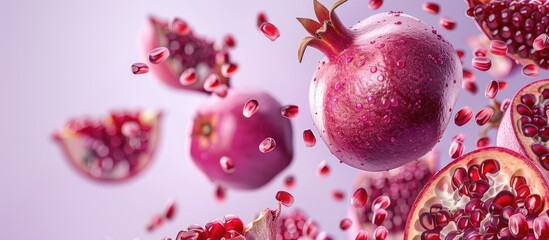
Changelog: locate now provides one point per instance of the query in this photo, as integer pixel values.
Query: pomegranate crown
(328, 35)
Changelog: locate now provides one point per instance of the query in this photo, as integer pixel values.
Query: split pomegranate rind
(524, 127)
(475, 195)
(112, 149)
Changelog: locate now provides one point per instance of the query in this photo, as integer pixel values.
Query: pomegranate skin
(395, 81)
(219, 129)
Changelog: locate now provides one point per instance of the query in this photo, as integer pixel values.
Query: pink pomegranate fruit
(190, 54)
(382, 83)
(220, 129)
(296, 225)
(515, 22)
(398, 188)
(490, 193)
(524, 127)
(114, 148)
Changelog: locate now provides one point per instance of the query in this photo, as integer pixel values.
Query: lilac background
(61, 59)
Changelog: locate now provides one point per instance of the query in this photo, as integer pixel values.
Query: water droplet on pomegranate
(491, 89)
(359, 199)
(158, 55)
(398, 22)
(338, 86)
(140, 68)
(289, 111)
(345, 224)
(484, 115)
(380, 78)
(375, 4)
(482, 63)
(394, 102)
(187, 77)
(373, 69)
(371, 100)
(431, 7)
(309, 138)
(267, 145)
(285, 198)
(323, 169)
(498, 47)
(381, 45)
(180, 27)
(228, 69)
(359, 106)
(400, 64)
(541, 42)
(530, 70)
(447, 23)
(270, 31)
(251, 107)
(227, 164)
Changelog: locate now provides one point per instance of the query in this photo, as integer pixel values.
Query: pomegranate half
(490, 193)
(524, 127)
(114, 148)
(384, 82)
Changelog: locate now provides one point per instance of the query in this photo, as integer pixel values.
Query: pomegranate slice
(524, 127)
(260, 146)
(475, 196)
(389, 78)
(113, 149)
(517, 23)
(392, 193)
(187, 51)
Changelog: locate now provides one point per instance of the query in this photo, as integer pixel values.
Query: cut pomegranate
(361, 70)
(220, 129)
(186, 51)
(524, 127)
(392, 191)
(113, 149)
(474, 197)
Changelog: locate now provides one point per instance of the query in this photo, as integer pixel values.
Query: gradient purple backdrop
(61, 59)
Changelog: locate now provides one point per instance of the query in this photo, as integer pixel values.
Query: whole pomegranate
(517, 23)
(524, 127)
(227, 146)
(383, 83)
(397, 189)
(114, 148)
(490, 193)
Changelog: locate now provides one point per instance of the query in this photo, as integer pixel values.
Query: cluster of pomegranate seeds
(447, 23)
(231, 226)
(158, 219)
(289, 111)
(375, 4)
(295, 225)
(140, 68)
(463, 116)
(431, 7)
(482, 63)
(270, 31)
(285, 198)
(533, 123)
(267, 145)
(251, 107)
(309, 138)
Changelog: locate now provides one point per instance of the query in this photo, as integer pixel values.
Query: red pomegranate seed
(140, 68)
(229, 41)
(212, 82)
(489, 166)
(270, 31)
(518, 226)
(221, 91)
(156, 222)
(285, 198)
(215, 229)
(541, 227)
(431, 7)
(541, 42)
(480, 52)
(187, 77)
(323, 169)
(227, 164)
(505, 104)
(498, 47)
(530, 70)
(267, 145)
(345, 224)
(447, 23)
(170, 210)
(289, 181)
(469, 86)
(482, 63)
(380, 233)
(338, 195)
(381, 202)
(289, 111)
(491, 89)
(180, 27)
(502, 85)
(261, 18)
(309, 138)
(460, 53)
(463, 116)
(250, 108)
(362, 235)
(233, 223)
(533, 203)
(130, 129)
(228, 69)
(359, 199)
(379, 216)
(483, 142)
(468, 75)
(375, 4)
(456, 149)
(484, 115)
(158, 55)
(220, 193)
(460, 137)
